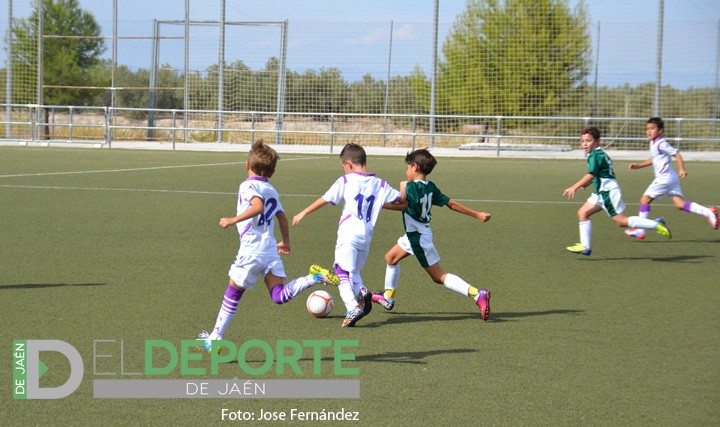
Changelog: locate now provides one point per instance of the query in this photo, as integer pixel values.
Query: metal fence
(226, 78)
(105, 125)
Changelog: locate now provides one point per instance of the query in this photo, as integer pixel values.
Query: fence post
(252, 128)
(679, 133)
(70, 125)
(174, 125)
(499, 126)
(108, 140)
(414, 125)
(332, 132)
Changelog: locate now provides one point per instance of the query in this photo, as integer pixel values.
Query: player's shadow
(410, 357)
(685, 259)
(48, 285)
(409, 317)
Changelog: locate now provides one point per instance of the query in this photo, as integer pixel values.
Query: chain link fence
(210, 74)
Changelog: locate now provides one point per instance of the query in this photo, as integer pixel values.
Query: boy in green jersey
(607, 195)
(421, 195)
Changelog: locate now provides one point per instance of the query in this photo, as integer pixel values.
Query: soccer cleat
(637, 233)
(352, 317)
(379, 298)
(328, 277)
(714, 211)
(365, 300)
(579, 249)
(662, 228)
(483, 303)
(205, 336)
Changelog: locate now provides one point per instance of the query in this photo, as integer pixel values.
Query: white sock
(348, 296)
(392, 277)
(638, 222)
(699, 209)
(298, 285)
(586, 233)
(454, 283)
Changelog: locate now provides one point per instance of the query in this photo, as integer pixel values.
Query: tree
(69, 58)
(514, 57)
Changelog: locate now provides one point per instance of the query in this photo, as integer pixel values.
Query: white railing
(105, 125)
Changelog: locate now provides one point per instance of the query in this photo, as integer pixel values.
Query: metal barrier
(104, 125)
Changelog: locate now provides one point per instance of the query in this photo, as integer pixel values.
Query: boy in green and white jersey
(607, 195)
(421, 194)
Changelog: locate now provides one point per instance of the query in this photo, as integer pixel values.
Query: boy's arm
(401, 203)
(256, 207)
(644, 164)
(457, 207)
(681, 165)
(284, 244)
(397, 206)
(584, 182)
(317, 204)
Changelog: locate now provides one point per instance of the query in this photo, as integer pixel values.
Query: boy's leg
(455, 283)
(392, 277)
(585, 226)
(644, 210)
(710, 213)
(281, 294)
(228, 308)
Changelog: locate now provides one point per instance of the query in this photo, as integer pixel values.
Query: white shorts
(610, 201)
(350, 258)
(248, 268)
(421, 245)
(659, 188)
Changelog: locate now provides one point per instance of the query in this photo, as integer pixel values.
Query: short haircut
(657, 121)
(592, 130)
(426, 162)
(353, 153)
(262, 159)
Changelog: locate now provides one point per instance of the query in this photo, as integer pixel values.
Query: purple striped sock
(279, 294)
(231, 299)
(686, 206)
(644, 208)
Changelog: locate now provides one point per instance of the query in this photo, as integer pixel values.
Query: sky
(635, 20)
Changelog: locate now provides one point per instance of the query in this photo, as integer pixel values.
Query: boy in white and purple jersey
(667, 181)
(259, 254)
(363, 194)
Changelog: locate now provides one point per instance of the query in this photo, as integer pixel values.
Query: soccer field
(103, 247)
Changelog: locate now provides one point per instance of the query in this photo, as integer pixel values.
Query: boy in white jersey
(607, 195)
(258, 204)
(421, 194)
(363, 194)
(666, 182)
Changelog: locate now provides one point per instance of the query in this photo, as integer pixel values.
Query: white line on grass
(221, 193)
(138, 169)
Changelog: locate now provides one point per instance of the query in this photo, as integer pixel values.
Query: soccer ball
(320, 304)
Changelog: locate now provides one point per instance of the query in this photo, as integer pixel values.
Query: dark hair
(592, 130)
(262, 159)
(426, 162)
(657, 121)
(354, 153)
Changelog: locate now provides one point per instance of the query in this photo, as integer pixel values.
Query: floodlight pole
(658, 82)
(221, 73)
(433, 85)
(8, 73)
(387, 86)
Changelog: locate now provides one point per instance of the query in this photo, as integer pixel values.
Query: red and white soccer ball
(320, 304)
